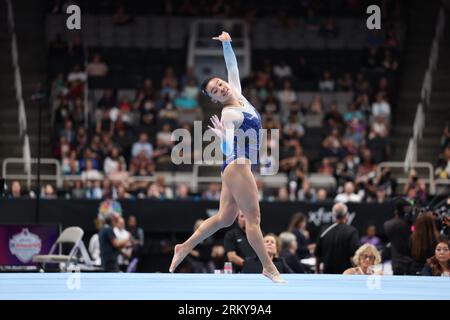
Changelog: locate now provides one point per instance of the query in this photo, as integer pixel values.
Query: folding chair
(72, 235)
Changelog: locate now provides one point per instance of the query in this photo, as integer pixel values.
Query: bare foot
(275, 276)
(178, 257)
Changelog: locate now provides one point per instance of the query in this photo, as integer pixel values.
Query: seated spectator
(366, 257)
(68, 133)
(349, 194)
(371, 237)
(332, 148)
(78, 191)
(297, 227)
(306, 193)
(140, 162)
(326, 168)
(70, 164)
(283, 194)
(271, 105)
(443, 168)
(167, 111)
(322, 195)
(90, 173)
(333, 118)
(122, 193)
(371, 59)
(271, 243)
(112, 161)
(165, 190)
(142, 145)
(327, 83)
(282, 70)
(367, 168)
(287, 96)
(353, 113)
(76, 75)
(89, 155)
(154, 192)
(108, 100)
(346, 82)
(48, 192)
(213, 192)
(389, 63)
(316, 106)
(379, 127)
(288, 251)
(439, 264)
(182, 192)
(293, 128)
(355, 132)
(16, 191)
(97, 68)
(423, 241)
(381, 108)
(137, 236)
(169, 83)
(381, 194)
(120, 174)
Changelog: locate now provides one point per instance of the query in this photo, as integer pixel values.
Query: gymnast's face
(219, 90)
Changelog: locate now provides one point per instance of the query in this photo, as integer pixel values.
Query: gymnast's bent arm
(224, 129)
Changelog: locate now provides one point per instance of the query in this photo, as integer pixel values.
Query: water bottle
(228, 268)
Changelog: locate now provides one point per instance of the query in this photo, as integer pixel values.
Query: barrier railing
(413, 165)
(57, 177)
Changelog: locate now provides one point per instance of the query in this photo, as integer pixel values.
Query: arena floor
(103, 286)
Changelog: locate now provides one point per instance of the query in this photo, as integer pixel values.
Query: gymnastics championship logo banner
(19, 243)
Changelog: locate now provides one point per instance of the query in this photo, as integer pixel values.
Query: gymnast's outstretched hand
(224, 36)
(219, 128)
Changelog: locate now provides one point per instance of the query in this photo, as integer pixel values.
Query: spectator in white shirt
(349, 194)
(381, 108)
(287, 96)
(327, 83)
(282, 70)
(94, 244)
(76, 74)
(125, 253)
(111, 163)
(90, 173)
(97, 68)
(142, 144)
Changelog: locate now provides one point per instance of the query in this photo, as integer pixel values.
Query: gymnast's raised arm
(231, 62)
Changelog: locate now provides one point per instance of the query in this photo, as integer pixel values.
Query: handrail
(425, 93)
(22, 117)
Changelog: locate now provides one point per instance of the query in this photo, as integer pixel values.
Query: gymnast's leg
(241, 182)
(227, 214)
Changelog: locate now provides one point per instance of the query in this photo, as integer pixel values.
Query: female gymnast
(239, 190)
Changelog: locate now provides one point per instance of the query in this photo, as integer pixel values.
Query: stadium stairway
(438, 112)
(29, 20)
(421, 31)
